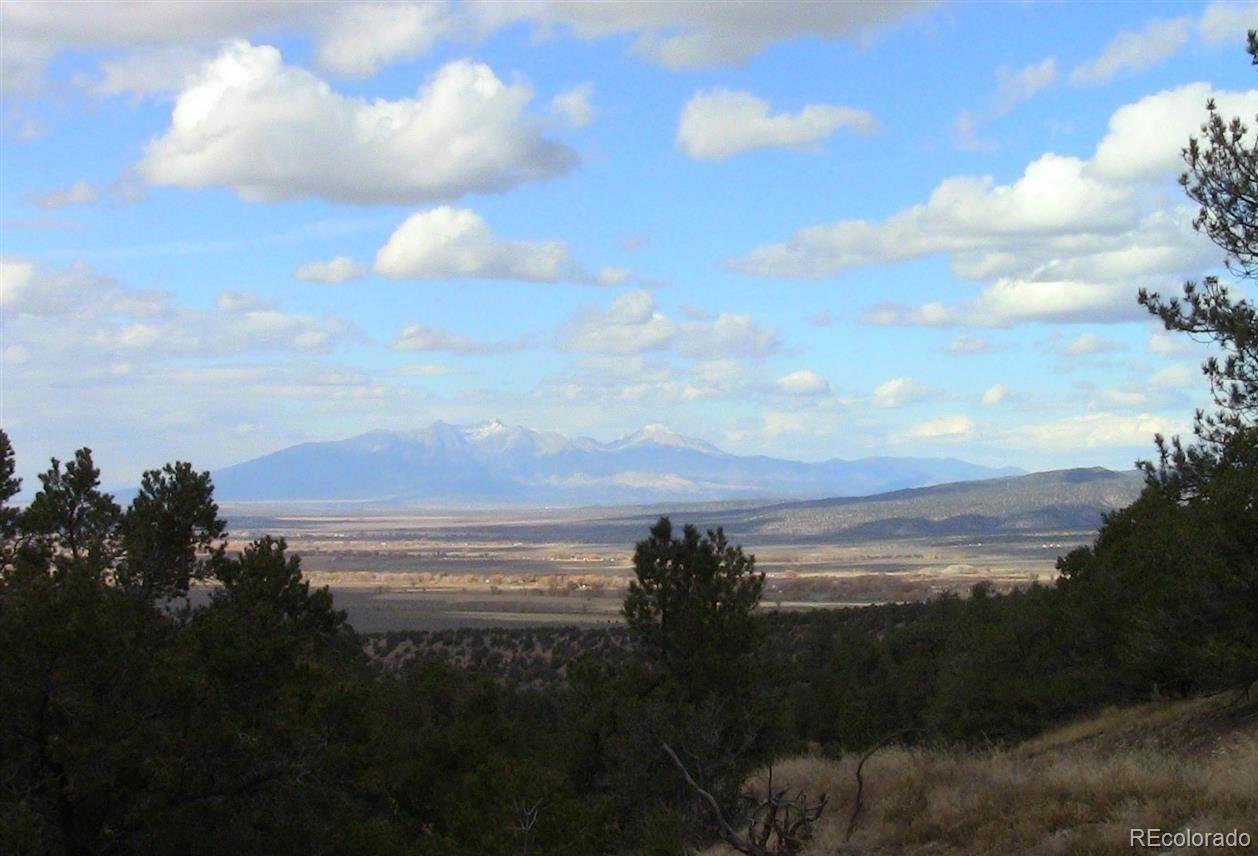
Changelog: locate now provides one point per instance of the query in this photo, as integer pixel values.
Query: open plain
(427, 570)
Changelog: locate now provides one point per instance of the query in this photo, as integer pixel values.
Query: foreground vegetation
(132, 721)
(1082, 788)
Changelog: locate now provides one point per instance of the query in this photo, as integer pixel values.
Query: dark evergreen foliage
(72, 520)
(689, 607)
(171, 532)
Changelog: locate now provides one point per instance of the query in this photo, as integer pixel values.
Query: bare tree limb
(777, 820)
(733, 838)
(860, 782)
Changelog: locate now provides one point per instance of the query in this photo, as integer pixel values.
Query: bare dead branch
(860, 782)
(731, 837)
(784, 822)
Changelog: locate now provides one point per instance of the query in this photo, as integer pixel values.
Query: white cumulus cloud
(967, 215)
(728, 334)
(424, 370)
(1134, 50)
(900, 391)
(76, 316)
(37, 31)
(450, 242)
(718, 123)
(574, 105)
(337, 270)
(422, 337)
(1012, 301)
(1177, 376)
(775, 423)
(79, 193)
(1008, 302)
(969, 345)
(803, 383)
(271, 131)
(1013, 86)
(1167, 344)
(1144, 138)
(948, 428)
(1091, 431)
(150, 71)
(359, 38)
(631, 325)
(1228, 22)
(1070, 240)
(1018, 85)
(995, 394)
(634, 324)
(1089, 343)
(700, 34)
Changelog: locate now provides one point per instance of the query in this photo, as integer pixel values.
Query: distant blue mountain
(493, 463)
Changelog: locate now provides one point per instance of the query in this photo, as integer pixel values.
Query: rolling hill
(1057, 500)
(1066, 501)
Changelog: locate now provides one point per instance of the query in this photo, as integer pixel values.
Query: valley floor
(398, 573)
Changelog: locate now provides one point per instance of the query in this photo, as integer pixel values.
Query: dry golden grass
(1078, 790)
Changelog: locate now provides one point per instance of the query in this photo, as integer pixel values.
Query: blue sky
(838, 231)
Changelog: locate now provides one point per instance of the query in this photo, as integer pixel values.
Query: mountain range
(493, 463)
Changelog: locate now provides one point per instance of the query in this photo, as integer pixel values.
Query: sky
(812, 230)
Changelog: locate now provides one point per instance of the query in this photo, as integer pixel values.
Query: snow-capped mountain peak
(657, 434)
(492, 428)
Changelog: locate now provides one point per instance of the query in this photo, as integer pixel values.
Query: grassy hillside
(1078, 789)
(1048, 501)
(1054, 501)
